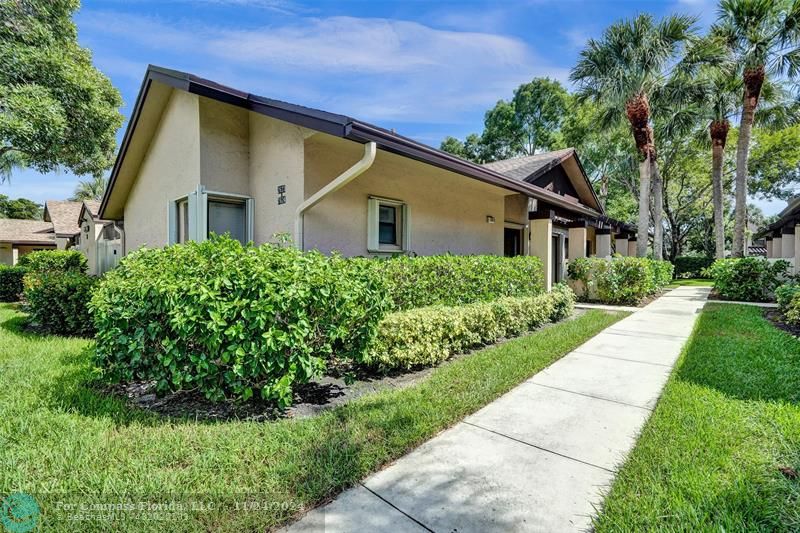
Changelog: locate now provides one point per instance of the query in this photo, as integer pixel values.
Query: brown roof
(64, 215)
(330, 123)
(93, 206)
(521, 168)
(26, 231)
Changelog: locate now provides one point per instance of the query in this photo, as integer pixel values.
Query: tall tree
(622, 70)
(56, 109)
(21, 208)
(92, 189)
(764, 35)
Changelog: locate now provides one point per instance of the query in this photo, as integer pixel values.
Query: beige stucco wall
(88, 245)
(224, 147)
(170, 170)
(277, 151)
(447, 211)
(6, 254)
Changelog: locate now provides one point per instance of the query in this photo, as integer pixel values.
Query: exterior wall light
(489, 219)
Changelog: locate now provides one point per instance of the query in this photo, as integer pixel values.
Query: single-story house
(199, 158)
(20, 237)
(99, 240)
(63, 215)
(782, 235)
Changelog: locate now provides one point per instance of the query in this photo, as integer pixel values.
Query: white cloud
(372, 68)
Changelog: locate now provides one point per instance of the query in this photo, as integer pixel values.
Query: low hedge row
(750, 279)
(620, 280)
(429, 335)
(231, 320)
(58, 302)
(54, 261)
(691, 266)
(423, 281)
(11, 283)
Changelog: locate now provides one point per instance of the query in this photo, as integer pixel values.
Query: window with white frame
(203, 213)
(387, 225)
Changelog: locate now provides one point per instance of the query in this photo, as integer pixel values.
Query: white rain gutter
(370, 149)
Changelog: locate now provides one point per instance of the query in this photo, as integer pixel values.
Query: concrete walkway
(539, 457)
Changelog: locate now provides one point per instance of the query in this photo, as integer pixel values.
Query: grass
(690, 282)
(67, 444)
(729, 418)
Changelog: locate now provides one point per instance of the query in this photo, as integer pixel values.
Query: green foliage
(785, 294)
(749, 279)
(92, 189)
(621, 280)
(791, 309)
(527, 124)
(58, 302)
(54, 261)
(691, 266)
(456, 279)
(58, 109)
(232, 320)
(429, 335)
(11, 282)
(21, 208)
(774, 163)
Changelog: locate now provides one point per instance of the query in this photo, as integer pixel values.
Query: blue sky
(427, 69)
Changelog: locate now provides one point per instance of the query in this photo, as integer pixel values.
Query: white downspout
(370, 149)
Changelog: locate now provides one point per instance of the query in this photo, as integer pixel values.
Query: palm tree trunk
(658, 211)
(753, 80)
(717, 154)
(644, 207)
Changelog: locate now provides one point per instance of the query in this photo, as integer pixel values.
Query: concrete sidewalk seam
(590, 396)
(540, 448)
(390, 504)
(579, 352)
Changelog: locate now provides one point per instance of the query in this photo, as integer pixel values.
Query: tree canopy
(56, 108)
(19, 208)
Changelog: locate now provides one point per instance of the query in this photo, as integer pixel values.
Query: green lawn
(691, 282)
(709, 458)
(61, 441)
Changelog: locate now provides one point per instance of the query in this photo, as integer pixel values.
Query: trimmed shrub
(784, 295)
(749, 279)
(455, 280)
(54, 261)
(620, 280)
(58, 302)
(231, 320)
(791, 311)
(692, 266)
(11, 283)
(430, 335)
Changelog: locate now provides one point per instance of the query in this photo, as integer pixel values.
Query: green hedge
(785, 294)
(11, 283)
(58, 302)
(620, 280)
(414, 282)
(749, 279)
(691, 266)
(233, 321)
(429, 335)
(54, 261)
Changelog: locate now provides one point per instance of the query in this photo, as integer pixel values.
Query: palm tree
(89, 189)
(622, 70)
(764, 35)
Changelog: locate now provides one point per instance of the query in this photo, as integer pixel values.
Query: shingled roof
(529, 167)
(26, 231)
(64, 215)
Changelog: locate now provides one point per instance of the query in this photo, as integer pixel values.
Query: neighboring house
(201, 158)
(19, 237)
(782, 235)
(99, 240)
(63, 215)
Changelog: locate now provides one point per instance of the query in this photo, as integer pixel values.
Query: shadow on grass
(736, 351)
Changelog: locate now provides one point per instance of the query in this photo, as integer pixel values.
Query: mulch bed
(343, 383)
(714, 295)
(775, 316)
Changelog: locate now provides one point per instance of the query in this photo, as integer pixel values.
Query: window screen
(387, 225)
(228, 217)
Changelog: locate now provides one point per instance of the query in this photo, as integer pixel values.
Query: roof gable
(158, 83)
(64, 215)
(26, 231)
